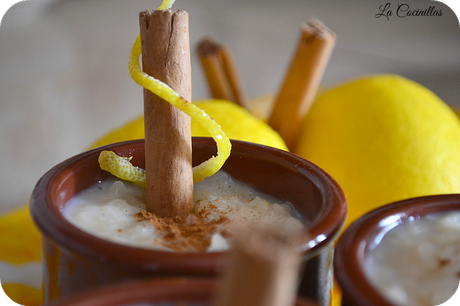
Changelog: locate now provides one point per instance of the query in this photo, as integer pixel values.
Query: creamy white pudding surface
(115, 211)
(418, 261)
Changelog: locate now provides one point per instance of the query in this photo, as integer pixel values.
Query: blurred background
(64, 79)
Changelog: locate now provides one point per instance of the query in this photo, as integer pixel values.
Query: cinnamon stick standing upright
(302, 80)
(263, 269)
(220, 71)
(168, 149)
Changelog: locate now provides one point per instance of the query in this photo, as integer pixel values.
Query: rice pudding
(115, 210)
(417, 262)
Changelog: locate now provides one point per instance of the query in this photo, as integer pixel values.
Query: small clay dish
(149, 292)
(364, 234)
(74, 260)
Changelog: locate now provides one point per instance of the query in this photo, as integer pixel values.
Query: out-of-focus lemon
(383, 138)
(22, 246)
(236, 122)
(23, 295)
(456, 110)
(25, 245)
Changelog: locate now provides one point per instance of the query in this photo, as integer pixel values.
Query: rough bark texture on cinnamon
(302, 81)
(262, 269)
(168, 149)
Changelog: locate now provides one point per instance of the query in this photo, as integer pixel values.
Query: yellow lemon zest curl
(121, 167)
(200, 172)
(166, 4)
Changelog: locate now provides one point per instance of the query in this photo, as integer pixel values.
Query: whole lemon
(384, 138)
(236, 122)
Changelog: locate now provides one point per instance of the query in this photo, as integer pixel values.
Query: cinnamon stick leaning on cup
(302, 80)
(168, 148)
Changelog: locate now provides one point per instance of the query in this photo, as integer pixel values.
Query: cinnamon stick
(220, 71)
(302, 80)
(168, 149)
(262, 269)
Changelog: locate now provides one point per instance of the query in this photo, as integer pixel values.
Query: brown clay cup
(161, 291)
(363, 235)
(74, 260)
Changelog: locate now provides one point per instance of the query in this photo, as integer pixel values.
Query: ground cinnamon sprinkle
(193, 234)
(443, 262)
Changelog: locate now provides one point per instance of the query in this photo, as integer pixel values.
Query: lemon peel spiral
(162, 90)
(166, 4)
(210, 166)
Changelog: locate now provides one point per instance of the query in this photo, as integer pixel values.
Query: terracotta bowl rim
(52, 224)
